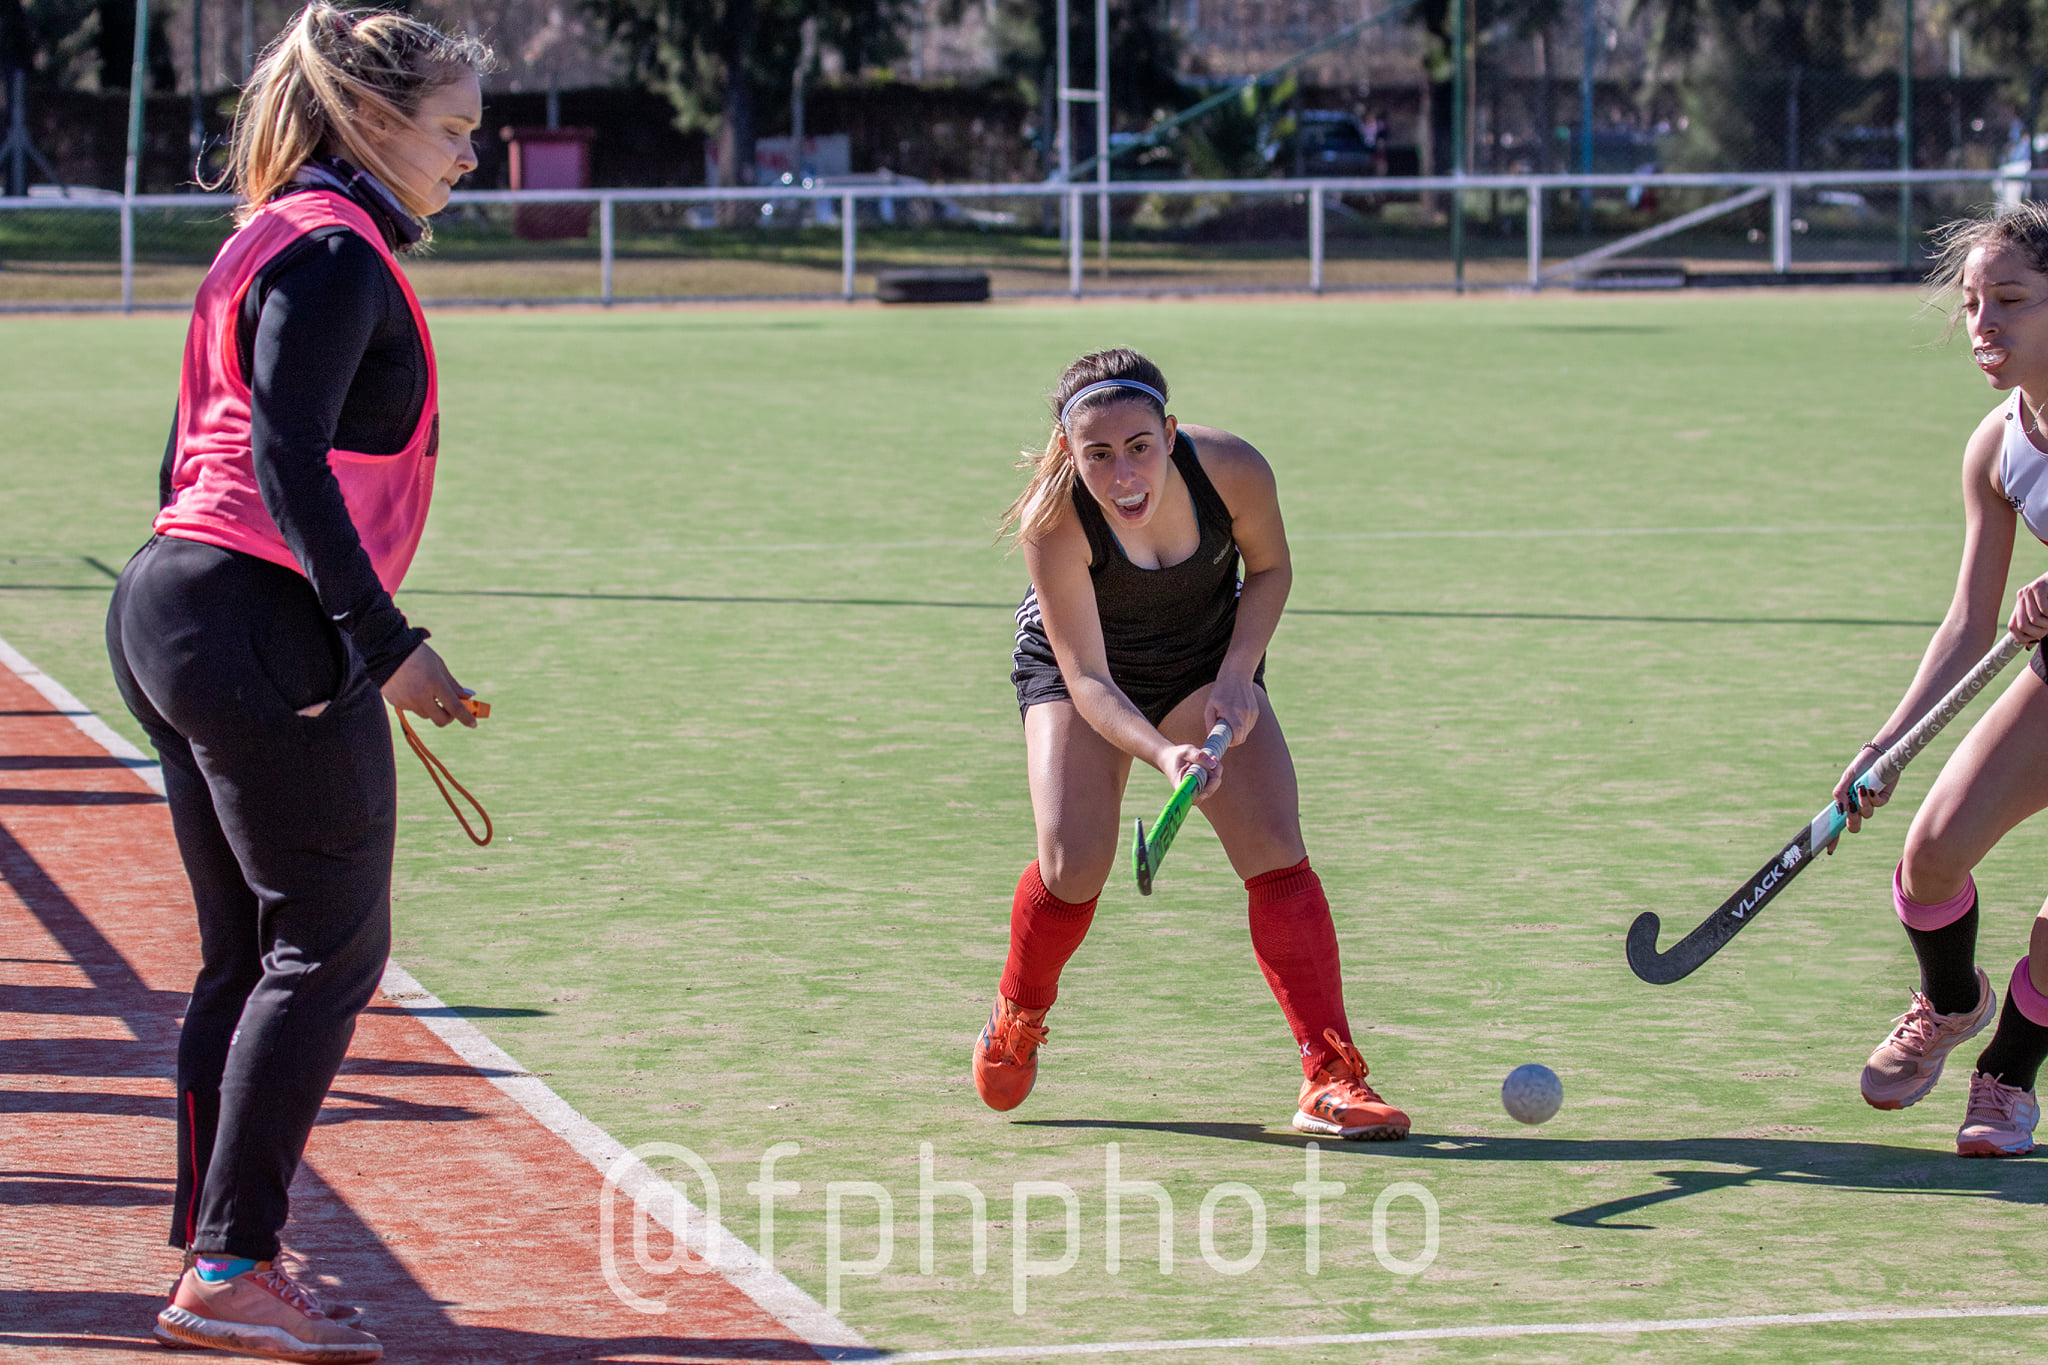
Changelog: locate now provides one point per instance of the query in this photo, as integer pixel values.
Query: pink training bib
(214, 497)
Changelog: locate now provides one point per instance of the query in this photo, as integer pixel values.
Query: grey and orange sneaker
(2000, 1120)
(1907, 1063)
(262, 1312)
(1006, 1054)
(1336, 1101)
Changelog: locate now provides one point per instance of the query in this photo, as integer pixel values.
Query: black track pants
(285, 823)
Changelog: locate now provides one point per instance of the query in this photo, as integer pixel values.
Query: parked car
(1327, 142)
(913, 204)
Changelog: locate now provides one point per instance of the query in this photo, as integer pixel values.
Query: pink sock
(2024, 997)
(1914, 915)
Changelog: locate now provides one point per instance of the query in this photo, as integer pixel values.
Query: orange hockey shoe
(1006, 1054)
(1336, 1101)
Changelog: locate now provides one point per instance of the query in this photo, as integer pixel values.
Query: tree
(116, 46)
(57, 43)
(2014, 34)
(1750, 64)
(1485, 20)
(1144, 60)
(716, 59)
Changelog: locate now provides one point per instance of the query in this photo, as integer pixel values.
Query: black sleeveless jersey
(1164, 631)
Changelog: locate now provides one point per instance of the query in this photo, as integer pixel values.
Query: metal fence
(1172, 237)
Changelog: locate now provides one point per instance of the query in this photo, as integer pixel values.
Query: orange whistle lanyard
(438, 770)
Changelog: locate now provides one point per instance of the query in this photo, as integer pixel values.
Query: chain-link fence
(1170, 237)
(1619, 86)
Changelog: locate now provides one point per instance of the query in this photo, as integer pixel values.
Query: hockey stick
(1148, 853)
(1661, 969)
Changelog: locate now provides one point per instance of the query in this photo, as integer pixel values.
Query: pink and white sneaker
(261, 1312)
(347, 1314)
(1905, 1066)
(2000, 1120)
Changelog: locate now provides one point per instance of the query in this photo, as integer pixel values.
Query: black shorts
(1037, 679)
(2038, 661)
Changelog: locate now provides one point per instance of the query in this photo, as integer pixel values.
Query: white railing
(1743, 189)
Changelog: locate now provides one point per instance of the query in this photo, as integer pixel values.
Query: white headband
(1146, 389)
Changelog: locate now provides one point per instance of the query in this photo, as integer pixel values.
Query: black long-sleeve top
(334, 361)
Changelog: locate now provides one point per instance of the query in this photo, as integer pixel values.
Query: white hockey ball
(1532, 1093)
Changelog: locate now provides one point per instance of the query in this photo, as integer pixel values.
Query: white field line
(1533, 1329)
(1530, 533)
(734, 1259)
(777, 1296)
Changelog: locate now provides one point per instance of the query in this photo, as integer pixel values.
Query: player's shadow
(39, 796)
(462, 1012)
(554, 1327)
(361, 1106)
(1866, 1167)
(1814, 1163)
(39, 1189)
(41, 763)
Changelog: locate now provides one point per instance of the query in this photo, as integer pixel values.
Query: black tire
(932, 286)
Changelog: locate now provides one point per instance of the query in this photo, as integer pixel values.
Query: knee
(1266, 843)
(1934, 867)
(1075, 873)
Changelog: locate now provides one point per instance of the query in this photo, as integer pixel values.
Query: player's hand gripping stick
(1147, 852)
(1661, 969)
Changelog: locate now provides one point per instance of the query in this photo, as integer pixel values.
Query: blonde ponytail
(333, 81)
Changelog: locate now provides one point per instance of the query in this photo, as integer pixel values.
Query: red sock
(1296, 944)
(1044, 932)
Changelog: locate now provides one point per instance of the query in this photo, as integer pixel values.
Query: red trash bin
(550, 159)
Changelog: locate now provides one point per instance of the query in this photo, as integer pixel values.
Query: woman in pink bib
(255, 637)
(1997, 268)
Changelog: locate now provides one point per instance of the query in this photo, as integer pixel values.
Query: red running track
(466, 1229)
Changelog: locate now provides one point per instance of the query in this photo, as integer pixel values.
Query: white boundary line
(734, 1259)
(1533, 1329)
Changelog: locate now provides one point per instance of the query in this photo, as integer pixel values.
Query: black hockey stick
(1685, 957)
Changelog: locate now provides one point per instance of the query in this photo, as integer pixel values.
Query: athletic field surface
(1593, 599)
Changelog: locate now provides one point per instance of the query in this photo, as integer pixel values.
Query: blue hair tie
(1145, 389)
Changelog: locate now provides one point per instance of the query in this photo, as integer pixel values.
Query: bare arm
(1245, 482)
(1975, 612)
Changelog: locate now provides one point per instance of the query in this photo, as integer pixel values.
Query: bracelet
(1872, 744)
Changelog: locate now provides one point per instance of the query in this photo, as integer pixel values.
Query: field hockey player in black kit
(255, 637)
(1135, 638)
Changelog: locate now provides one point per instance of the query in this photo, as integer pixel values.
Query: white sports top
(2023, 470)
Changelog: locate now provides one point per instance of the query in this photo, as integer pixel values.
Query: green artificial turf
(1593, 599)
